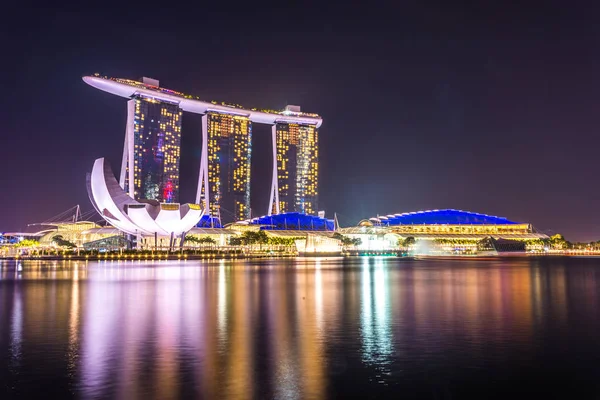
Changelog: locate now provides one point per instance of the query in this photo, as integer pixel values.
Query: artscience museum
(137, 217)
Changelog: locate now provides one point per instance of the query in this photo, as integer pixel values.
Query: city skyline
(425, 108)
(314, 200)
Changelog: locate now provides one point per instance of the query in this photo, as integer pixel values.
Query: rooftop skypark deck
(128, 88)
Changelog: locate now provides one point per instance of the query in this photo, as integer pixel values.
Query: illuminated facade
(452, 226)
(296, 171)
(289, 221)
(139, 218)
(225, 165)
(156, 151)
(152, 150)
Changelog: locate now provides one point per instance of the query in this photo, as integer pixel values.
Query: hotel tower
(150, 167)
(297, 163)
(152, 150)
(228, 160)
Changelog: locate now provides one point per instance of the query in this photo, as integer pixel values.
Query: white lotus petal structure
(145, 217)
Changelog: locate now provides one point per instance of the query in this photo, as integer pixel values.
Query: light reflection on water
(376, 326)
(308, 328)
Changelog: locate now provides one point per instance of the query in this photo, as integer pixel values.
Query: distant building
(438, 226)
(312, 234)
(291, 221)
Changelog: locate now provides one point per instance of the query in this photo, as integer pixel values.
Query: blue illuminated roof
(441, 217)
(209, 222)
(292, 221)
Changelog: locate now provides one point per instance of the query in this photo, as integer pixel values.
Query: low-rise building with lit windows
(311, 234)
(443, 227)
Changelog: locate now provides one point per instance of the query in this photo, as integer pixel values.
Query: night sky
(491, 108)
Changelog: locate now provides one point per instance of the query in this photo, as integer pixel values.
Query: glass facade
(229, 156)
(157, 143)
(297, 167)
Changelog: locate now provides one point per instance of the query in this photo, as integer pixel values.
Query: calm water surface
(306, 328)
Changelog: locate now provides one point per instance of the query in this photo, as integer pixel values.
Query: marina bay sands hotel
(152, 150)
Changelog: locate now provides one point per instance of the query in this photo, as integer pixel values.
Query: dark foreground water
(309, 328)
